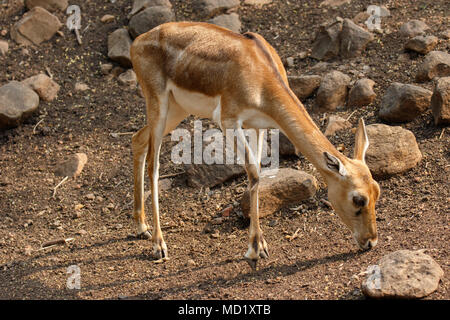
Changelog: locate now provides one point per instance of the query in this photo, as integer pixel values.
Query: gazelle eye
(358, 212)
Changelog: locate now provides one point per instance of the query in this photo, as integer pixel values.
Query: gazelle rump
(238, 81)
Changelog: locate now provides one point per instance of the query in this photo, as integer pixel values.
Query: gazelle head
(353, 192)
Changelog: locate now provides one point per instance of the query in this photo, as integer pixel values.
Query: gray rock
(230, 21)
(435, 64)
(327, 42)
(280, 188)
(392, 150)
(354, 39)
(332, 91)
(44, 86)
(203, 175)
(50, 5)
(17, 103)
(413, 28)
(36, 26)
(286, 148)
(422, 44)
(404, 102)
(403, 274)
(304, 86)
(440, 101)
(119, 43)
(150, 18)
(210, 8)
(139, 5)
(361, 94)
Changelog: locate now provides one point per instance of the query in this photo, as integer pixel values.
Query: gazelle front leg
(140, 148)
(257, 247)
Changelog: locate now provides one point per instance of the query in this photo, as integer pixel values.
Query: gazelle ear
(334, 164)
(361, 141)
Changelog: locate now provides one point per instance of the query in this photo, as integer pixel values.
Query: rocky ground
(86, 107)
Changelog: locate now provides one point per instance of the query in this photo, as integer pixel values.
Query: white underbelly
(195, 103)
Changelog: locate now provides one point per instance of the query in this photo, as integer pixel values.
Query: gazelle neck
(304, 134)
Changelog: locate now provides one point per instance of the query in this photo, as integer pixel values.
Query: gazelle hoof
(144, 235)
(252, 263)
(160, 251)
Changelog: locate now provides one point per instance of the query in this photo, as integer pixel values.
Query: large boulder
(354, 39)
(36, 26)
(50, 5)
(403, 274)
(150, 18)
(440, 101)
(280, 188)
(327, 42)
(45, 87)
(332, 91)
(17, 103)
(435, 64)
(404, 102)
(119, 43)
(304, 86)
(392, 150)
(203, 175)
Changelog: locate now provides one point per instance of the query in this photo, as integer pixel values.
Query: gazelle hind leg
(140, 148)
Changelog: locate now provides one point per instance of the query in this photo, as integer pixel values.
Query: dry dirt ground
(321, 263)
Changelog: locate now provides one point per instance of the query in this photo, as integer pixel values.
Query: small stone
(334, 3)
(106, 68)
(440, 101)
(36, 26)
(404, 102)
(4, 47)
(422, 44)
(304, 86)
(290, 62)
(44, 86)
(73, 166)
(203, 175)
(361, 17)
(79, 206)
(361, 94)
(435, 64)
(403, 274)
(81, 87)
(17, 103)
(82, 232)
(28, 250)
(445, 34)
(257, 2)
(190, 263)
(413, 28)
(215, 235)
(128, 78)
(107, 18)
(336, 123)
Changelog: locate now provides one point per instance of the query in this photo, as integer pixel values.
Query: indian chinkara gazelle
(239, 81)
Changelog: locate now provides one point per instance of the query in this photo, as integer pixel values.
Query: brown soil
(322, 263)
